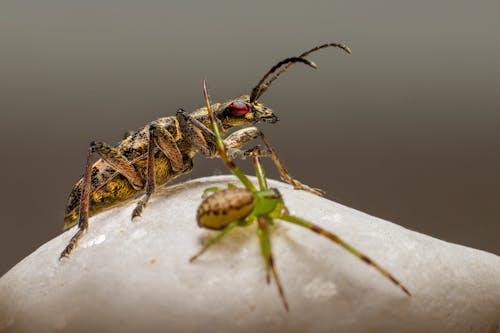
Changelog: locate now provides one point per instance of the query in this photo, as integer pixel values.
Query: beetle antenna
(314, 49)
(305, 54)
(261, 87)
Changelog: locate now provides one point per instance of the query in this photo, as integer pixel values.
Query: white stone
(135, 276)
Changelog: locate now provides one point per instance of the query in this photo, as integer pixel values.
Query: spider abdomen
(225, 206)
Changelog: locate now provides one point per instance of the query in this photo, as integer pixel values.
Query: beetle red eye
(237, 109)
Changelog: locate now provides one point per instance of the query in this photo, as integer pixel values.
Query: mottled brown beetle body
(111, 188)
(164, 150)
(223, 207)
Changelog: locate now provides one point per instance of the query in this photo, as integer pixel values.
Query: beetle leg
(197, 133)
(210, 190)
(150, 178)
(166, 142)
(161, 138)
(239, 138)
(119, 162)
(207, 132)
(83, 212)
(284, 173)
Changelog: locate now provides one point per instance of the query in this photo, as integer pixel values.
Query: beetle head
(240, 112)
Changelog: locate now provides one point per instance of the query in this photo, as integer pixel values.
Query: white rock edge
(135, 276)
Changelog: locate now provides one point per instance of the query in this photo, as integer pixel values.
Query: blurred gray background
(406, 128)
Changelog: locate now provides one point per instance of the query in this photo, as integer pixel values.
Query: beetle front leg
(203, 138)
(284, 173)
(239, 138)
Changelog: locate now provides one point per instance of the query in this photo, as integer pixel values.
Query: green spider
(226, 209)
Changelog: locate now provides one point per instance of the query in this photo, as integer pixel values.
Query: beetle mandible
(164, 150)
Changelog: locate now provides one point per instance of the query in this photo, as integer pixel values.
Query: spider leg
(265, 246)
(210, 190)
(336, 239)
(219, 236)
(220, 144)
(259, 171)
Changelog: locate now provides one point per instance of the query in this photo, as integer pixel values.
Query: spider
(226, 209)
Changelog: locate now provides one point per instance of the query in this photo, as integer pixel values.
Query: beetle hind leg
(83, 214)
(119, 162)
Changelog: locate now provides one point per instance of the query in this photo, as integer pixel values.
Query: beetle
(226, 209)
(165, 148)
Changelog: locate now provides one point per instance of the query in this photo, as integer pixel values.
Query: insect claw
(299, 186)
(317, 191)
(136, 213)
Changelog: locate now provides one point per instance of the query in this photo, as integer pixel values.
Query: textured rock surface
(135, 276)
